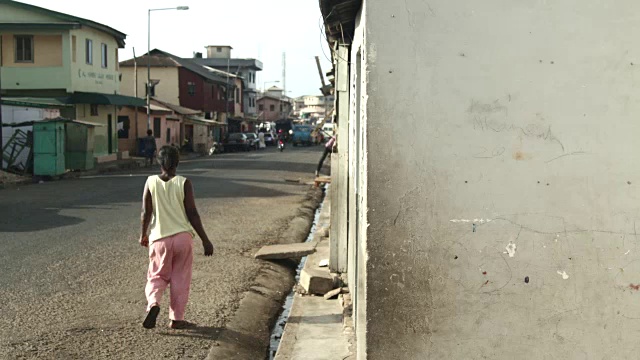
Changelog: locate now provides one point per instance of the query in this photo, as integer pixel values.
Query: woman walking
(328, 148)
(169, 210)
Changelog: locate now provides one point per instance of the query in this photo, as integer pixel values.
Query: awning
(202, 121)
(104, 99)
(34, 102)
(30, 123)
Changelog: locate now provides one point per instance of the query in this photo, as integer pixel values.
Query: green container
(48, 148)
(79, 146)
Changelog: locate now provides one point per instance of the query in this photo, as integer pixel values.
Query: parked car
(254, 141)
(237, 142)
(270, 138)
(302, 135)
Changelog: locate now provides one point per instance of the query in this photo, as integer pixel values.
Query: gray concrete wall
(500, 149)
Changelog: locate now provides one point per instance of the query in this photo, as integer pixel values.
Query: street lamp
(149, 59)
(264, 89)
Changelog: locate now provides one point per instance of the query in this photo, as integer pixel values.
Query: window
(117, 60)
(153, 90)
(237, 96)
(272, 108)
(74, 48)
(168, 135)
(157, 130)
(123, 127)
(261, 107)
(24, 48)
(89, 52)
(191, 88)
(104, 55)
(281, 107)
(219, 49)
(94, 110)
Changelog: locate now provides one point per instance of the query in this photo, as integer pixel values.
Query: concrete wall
(47, 50)
(50, 69)
(167, 90)
(101, 135)
(502, 188)
(93, 77)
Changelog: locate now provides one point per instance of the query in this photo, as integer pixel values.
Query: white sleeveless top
(169, 215)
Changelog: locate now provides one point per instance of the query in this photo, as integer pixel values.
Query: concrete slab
(314, 331)
(285, 251)
(316, 281)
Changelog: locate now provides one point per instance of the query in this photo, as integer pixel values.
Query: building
(131, 127)
(219, 57)
(47, 54)
(313, 106)
(196, 132)
(178, 81)
(298, 105)
(491, 205)
(273, 109)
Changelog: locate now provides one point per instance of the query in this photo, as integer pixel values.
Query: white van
(329, 129)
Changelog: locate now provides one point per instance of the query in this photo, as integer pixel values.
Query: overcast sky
(261, 29)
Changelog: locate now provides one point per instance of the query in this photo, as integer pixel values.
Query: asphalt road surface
(72, 273)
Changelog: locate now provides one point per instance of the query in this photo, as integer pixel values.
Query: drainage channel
(278, 328)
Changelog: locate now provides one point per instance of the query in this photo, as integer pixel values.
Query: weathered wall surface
(503, 184)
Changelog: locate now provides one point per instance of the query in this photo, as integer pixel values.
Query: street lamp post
(264, 89)
(149, 59)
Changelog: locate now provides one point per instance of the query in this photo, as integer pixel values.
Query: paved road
(72, 274)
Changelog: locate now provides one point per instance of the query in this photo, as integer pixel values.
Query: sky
(261, 29)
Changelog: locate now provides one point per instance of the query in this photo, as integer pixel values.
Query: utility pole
(135, 89)
(149, 71)
(284, 83)
(323, 86)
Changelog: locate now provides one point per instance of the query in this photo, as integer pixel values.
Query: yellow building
(50, 54)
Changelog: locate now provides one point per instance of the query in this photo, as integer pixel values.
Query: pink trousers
(170, 261)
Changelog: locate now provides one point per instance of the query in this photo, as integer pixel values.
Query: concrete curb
(247, 335)
(16, 184)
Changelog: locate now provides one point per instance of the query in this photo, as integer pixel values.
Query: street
(73, 273)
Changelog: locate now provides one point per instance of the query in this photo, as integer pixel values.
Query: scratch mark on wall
(567, 154)
(510, 276)
(478, 221)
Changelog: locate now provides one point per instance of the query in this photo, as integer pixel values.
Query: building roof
(176, 108)
(34, 102)
(285, 99)
(70, 19)
(232, 63)
(156, 61)
(163, 58)
(223, 73)
(275, 88)
(103, 99)
(340, 19)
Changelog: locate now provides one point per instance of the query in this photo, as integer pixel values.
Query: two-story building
(182, 82)
(273, 109)
(219, 57)
(47, 54)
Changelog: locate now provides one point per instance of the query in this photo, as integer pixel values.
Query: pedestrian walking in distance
(328, 148)
(169, 212)
(150, 147)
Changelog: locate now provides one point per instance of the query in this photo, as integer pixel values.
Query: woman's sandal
(181, 324)
(152, 315)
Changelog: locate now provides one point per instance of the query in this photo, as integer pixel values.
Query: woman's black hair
(149, 132)
(168, 157)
